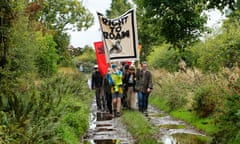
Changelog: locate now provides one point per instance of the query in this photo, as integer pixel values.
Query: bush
(230, 119)
(164, 57)
(47, 57)
(205, 100)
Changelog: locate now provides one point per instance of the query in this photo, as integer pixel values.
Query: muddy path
(104, 129)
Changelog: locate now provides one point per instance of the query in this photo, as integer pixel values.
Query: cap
(95, 66)
(114, 66)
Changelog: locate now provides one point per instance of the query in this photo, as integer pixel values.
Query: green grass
(139, 127)
(204, 124)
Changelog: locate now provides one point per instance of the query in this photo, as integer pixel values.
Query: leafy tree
(47, 57)
(117, 8)
(180, 22)
(220, 4)
(57, 15)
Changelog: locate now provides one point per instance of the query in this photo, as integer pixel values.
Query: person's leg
(145, 101)
(118, 106)
(131, 99)
(146, 107)
(97, 93)
(128, 97)
(114, 103)
(109, 102)
(124, 97)
(102, 99)
(140, 101)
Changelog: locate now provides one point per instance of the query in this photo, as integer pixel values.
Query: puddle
(183, 138)
(172, 126)
(104, 129)
(173, 131)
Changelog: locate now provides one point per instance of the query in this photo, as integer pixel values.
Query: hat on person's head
(114, 66)
(95, 66)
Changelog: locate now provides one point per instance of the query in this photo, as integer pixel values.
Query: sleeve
(92, 83)
(150, 83)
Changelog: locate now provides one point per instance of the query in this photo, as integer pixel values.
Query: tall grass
(204, 100)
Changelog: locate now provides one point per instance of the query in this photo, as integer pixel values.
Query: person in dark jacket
(144, 77)
(107, 90)
(125, 71)
(97, 86)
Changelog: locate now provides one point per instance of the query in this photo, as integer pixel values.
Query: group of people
(120, 86)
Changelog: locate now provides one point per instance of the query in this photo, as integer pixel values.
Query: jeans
(142, 101)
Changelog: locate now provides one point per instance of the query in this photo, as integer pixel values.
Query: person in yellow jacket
(116, 89)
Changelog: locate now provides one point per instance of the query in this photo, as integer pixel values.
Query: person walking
(125, 79)
(117, 90)
(96, 85)
(144, 78)
(107, 82)
(130, 80)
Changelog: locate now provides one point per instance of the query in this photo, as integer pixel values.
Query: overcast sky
(80, 39)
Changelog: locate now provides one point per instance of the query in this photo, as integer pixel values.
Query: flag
(101, 57)
(120, 36)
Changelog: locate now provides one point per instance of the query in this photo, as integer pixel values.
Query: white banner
(120, 36)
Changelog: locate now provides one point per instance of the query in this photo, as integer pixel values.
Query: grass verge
(139, 127)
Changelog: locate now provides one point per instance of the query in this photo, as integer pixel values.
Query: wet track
(104, 129)
(107, 130)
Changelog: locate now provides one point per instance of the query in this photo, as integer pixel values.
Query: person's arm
(92, 84)
(150, 83)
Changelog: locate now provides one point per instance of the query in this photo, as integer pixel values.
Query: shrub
(204, 101)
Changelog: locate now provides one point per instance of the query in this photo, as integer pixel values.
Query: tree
(220, 4)
(5, 22)
(57, 15)
(180, 22)
(117, 8)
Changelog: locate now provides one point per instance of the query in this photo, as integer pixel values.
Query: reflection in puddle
(172, 126)
(185, 139)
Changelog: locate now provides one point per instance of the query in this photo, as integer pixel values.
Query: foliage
(164, 57)
(180, 22)
(148, 33)
(76, 108)
(42, 112)
(206, 100)
(46, 58)
(230, 119)
(6, 17)
(221, 50)
(57, 15)
(88, 58)
(140, 128)
(62, 40)
(220, 4)
(117, 8)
